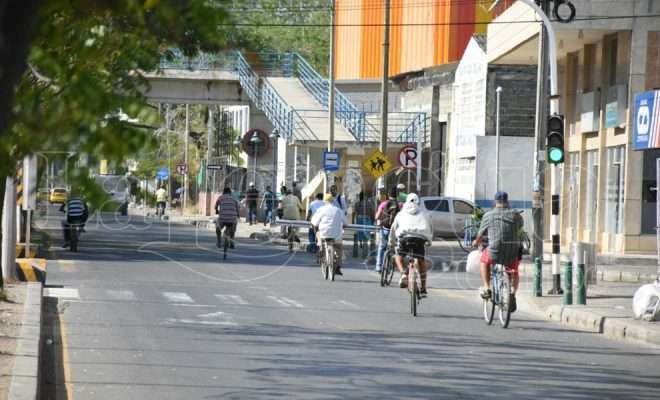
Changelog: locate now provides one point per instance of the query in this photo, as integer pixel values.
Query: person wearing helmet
(411, 231)
(251, 199)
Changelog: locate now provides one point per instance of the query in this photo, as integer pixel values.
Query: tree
(68, 67)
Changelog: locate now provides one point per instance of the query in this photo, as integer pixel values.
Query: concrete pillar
(9, 232)
(434, 172)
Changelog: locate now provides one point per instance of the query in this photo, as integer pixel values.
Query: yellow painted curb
(20, 250)
(31, 269)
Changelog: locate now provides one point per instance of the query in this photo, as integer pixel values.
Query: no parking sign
(408, 157)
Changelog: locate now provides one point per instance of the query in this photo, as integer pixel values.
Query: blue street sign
(646, 122)
(162, 173)
(331, 161)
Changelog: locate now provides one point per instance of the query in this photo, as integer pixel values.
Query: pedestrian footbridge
(289, 92)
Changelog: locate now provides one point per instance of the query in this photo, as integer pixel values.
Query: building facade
(604, 62)
(422, 34)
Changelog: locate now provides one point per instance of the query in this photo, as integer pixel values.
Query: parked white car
(448, 214)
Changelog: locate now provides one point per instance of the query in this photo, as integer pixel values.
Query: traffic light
(554, 144)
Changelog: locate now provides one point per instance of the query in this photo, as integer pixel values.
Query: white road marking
(126, 295)
(196, 322)
(178, 297)
(211, 315)
(62, 293)
(286, 302)
(231, 298)
(348, 304)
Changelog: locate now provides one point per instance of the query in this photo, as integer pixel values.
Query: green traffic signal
(555, 139)
(555, 155)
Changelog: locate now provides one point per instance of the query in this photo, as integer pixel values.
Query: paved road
(149, 311)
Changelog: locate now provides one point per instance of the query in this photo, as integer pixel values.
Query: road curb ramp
(25, 373)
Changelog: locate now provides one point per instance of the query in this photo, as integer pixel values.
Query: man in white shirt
(338, 200)
(329, 222)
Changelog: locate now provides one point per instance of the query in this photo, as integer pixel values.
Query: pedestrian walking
(251, 199)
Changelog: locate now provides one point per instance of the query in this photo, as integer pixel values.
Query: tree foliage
(84, 67)
(312, 42)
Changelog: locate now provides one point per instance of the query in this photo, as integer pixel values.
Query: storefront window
(614, 190)
(591, 198)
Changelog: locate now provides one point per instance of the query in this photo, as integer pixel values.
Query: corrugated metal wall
(423, 33)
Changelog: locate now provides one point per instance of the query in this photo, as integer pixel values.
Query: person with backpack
(387, 211)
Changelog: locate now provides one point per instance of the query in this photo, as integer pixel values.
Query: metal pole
(254, 174)
(185, 160)
(384, 86)
(418, 171)
(274, 181)
(9, 239)
(28, 215)
(497, 138)
(209, 132)
(169, 157)
(657, 214)
(331, 93)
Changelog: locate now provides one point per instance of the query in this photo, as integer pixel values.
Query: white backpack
(646, 302)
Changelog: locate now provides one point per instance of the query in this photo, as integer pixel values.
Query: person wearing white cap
(411, 230)
(251, 199)
(329, 222)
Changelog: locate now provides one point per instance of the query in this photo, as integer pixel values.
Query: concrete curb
(612, 323)
(31, 269)
(25, 374)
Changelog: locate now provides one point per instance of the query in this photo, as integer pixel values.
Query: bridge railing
(222, 61)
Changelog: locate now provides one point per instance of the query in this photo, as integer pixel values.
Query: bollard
(580, 286)
(568, 283)
(355, 245)
(537, 290)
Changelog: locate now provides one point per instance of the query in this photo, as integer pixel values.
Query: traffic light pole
(555, 182)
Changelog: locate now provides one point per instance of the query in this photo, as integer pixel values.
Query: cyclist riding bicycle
(227, 209)
(411, 230)
(503, 227)
(76, 213)
(292, 209)
(328, 221)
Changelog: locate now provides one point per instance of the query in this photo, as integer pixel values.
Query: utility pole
(539, 160)
(384, 88)
(185, 160)
(331, 95)
(498, 91)
(209, 132)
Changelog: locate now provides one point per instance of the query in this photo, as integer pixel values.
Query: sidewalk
(608, 311)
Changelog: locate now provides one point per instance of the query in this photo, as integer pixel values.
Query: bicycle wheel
(73, 238)
(390, 270)
(332, 263)
(414, 291)
(225, 246)
(290, 239)
(505, 300)
(461, 241)
(384, 269)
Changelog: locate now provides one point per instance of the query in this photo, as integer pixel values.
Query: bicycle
(414, 280)
(387, 270)
(500, 297)
(468, 234)
(291, 236)
(328, 259)
(74, 236)
(225, 237)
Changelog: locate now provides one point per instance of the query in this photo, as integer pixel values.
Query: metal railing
(362, 125)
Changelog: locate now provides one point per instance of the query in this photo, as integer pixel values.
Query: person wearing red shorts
(502, 227)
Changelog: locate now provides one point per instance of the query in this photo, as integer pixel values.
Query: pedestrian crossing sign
(377, 164)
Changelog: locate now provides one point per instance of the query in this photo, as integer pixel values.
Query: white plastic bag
(472, 265)
(646, 302)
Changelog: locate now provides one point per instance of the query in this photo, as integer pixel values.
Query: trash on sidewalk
(646, 302)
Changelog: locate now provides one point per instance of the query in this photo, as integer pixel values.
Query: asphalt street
(149, 310)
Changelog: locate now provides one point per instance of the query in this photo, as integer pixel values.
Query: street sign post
(408, 157)
(330, 161)
(377, 164)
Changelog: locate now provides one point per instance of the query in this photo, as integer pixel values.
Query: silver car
(448, 214)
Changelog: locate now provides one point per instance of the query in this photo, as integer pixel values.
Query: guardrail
(222, 61)
(347, 227)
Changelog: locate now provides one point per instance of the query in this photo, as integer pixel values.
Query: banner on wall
(646, 123)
